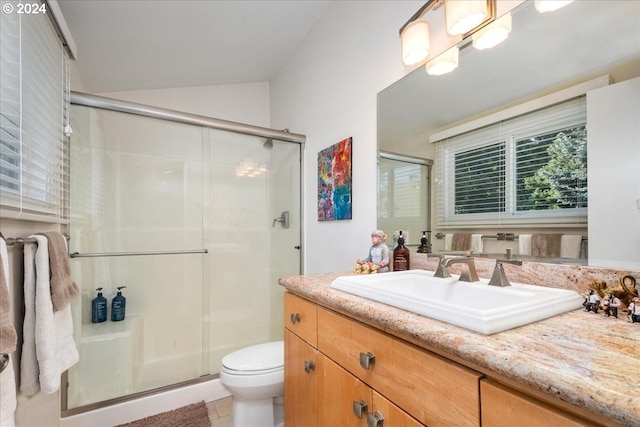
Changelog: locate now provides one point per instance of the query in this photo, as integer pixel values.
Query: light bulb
(415, 42)
(493, 34)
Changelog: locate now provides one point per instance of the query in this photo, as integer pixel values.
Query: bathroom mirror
(543, 54)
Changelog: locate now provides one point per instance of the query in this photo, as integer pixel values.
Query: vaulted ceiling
(146, 44)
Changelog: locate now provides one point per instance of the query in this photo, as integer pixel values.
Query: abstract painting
(334, 182)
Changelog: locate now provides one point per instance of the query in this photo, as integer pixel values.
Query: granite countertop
(579, 357)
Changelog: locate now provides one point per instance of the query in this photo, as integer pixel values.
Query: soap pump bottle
(400, 255)
(425, 246)
(99, 308)
(118, 306)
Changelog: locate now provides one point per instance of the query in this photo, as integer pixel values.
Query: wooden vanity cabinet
(433, 390)
(325, 374)
(332, 361)
(317, 391)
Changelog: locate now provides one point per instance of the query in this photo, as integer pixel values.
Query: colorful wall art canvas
(334, 182)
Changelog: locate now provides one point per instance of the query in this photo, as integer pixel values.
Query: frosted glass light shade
(493, 34)
(550, 5)
(415, 42)
(444, 63)
(462, 16)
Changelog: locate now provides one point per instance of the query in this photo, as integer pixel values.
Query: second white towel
(48, 349)
(524, 244)
(477, 245)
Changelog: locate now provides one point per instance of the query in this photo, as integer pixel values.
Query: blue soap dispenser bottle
(99, 308)
(118, 305)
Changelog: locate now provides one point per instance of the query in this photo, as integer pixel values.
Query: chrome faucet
(468, 271)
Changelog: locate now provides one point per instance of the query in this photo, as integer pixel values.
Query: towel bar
(499, 236)
(21, 240)
(105, 254)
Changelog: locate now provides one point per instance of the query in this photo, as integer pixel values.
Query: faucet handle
(442, 270)
(499, 277)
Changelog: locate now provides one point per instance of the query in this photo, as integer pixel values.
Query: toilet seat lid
(261, 357)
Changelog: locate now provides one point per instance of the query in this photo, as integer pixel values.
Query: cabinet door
(503, 407)
(340, 396)
(300, 382)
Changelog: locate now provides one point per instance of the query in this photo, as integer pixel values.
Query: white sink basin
(476, 306)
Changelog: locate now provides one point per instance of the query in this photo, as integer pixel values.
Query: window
(529, 169)
(403, 195)
(551, 170)
(34, 81)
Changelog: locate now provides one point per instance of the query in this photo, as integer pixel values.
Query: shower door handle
(283, 219)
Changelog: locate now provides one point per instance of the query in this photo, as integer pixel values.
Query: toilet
(255, 377)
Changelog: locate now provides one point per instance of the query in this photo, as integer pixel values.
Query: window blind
(34, 83)
(497, 174)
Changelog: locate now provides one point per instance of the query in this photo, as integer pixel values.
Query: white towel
(524, 244)
(48, 349)
(476, 243)
(7, 378)
(7, 396)
(448, 240)
(570, 246)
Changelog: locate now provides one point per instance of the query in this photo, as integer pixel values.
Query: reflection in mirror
(403, 196)
(544, 54)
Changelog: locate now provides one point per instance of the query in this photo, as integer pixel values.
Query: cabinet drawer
(503, 407)
(300, 317)
(436, 392)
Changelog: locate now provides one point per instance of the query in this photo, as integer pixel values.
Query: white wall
(245, 103)
(328, 92)
(614, 175)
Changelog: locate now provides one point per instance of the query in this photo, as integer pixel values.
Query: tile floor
(220, 412)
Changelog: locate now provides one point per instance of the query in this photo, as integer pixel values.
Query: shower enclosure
(189, 214)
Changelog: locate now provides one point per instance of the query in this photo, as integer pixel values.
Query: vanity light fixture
(415, 42)
(462, 16)
(550, 5)
(462, 19)
(444, 63)
(493, 34)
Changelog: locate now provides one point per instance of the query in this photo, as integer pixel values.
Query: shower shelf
(105, 254)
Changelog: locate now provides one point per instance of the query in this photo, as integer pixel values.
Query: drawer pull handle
(359, 408)
(295, 317)
(309, 365)
(367, 360)
(375, 420)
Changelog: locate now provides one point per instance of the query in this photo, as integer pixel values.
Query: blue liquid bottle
(99, 308)
(118, 306)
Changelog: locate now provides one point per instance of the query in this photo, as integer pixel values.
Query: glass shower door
(183, 216)
(136, 204)
(254, 181)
